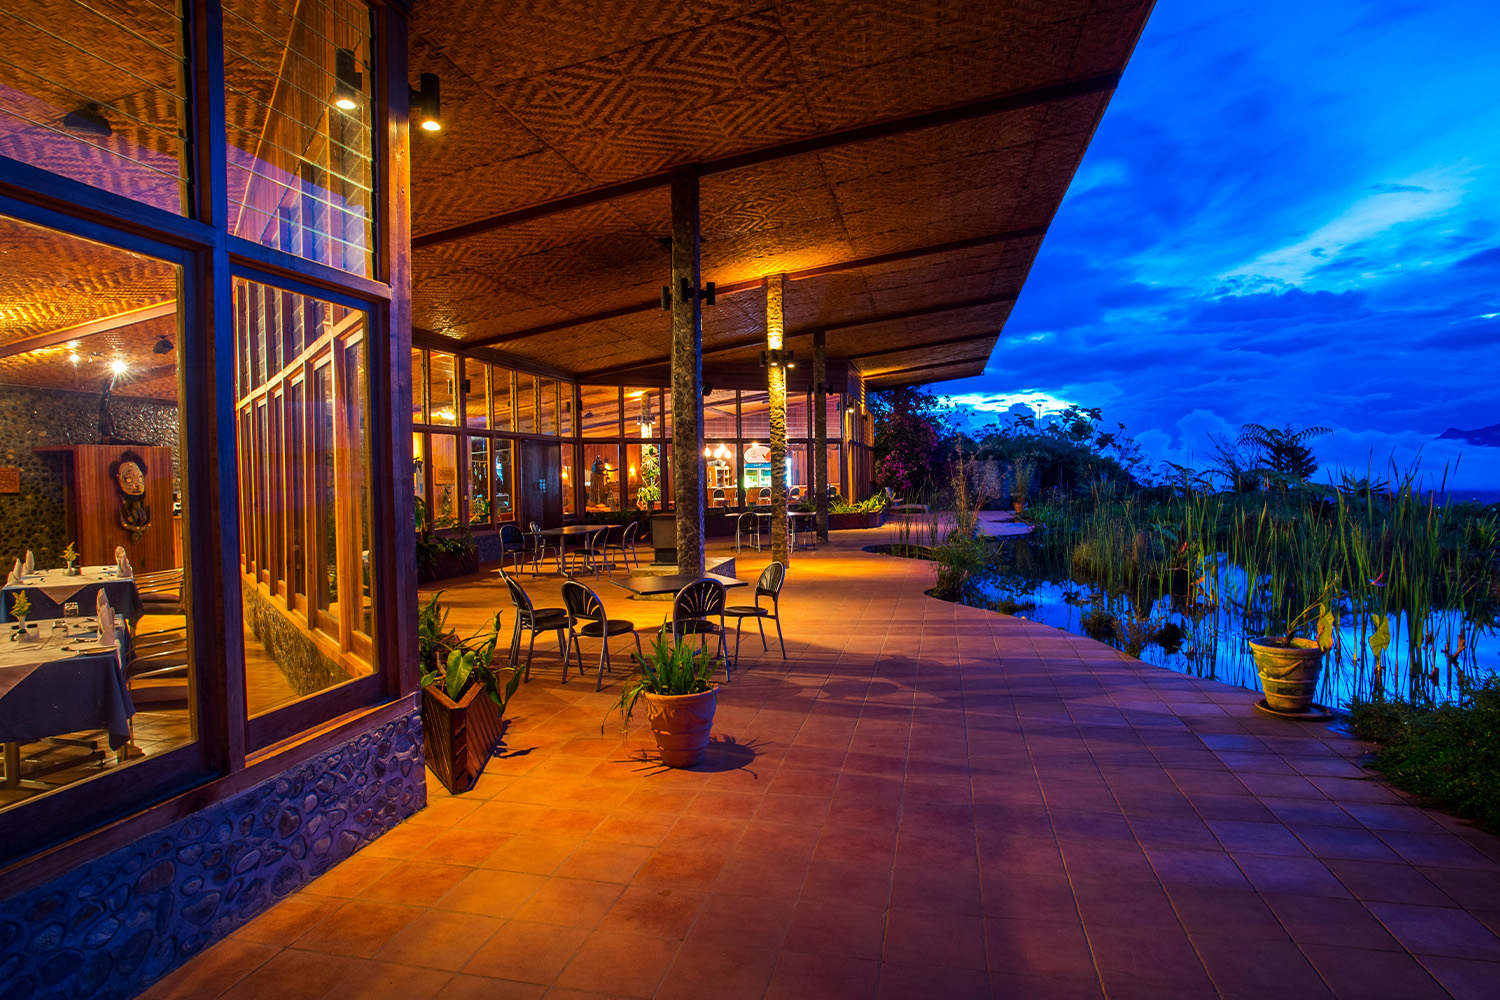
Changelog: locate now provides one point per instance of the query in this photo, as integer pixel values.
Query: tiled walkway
(924, 801)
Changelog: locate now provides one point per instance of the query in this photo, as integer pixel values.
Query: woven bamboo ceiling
(898, 159)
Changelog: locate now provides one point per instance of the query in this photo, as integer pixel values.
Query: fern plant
(669, 668)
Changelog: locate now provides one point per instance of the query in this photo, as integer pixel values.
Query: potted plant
(20, 607)
(680, 701)
(1022, 471)
(70, 556)
(463, 699)
(1289, 665)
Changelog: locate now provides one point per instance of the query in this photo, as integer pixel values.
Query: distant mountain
(1488, 437)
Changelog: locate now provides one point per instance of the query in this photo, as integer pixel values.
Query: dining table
(650, 586)
(50, 591)
(562, 535)
(60, 680)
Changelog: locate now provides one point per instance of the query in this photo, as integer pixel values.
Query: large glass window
(98, 92)
(525, 403)
(504, 506)
(442, 391)
(304, 458)
(601, 476)
(297, 83)
(504, 412)
(720, 414)
(80, 365)
(546, 406)
(643, 474)
(479, 481)
(476, 394)
(444, 481)
(601, 411)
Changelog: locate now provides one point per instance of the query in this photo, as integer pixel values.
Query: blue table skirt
(122, 594)
(71, 695)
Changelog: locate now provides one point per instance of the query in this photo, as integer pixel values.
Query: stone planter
(459, 736)
(681, 724)
(861, 519)
(1288, 675)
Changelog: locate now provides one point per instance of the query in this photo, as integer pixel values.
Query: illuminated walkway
(924, 801)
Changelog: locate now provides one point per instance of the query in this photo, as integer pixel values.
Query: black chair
(769, 585)
(626, 544)
(540, 546)
(587, 619)
(591, 556)
(693, 611)
(155, 656)
(512, 544)
(534, 620)
(160, 593)
(749, 524)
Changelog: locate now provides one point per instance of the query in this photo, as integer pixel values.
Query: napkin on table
(106, 620)
(15, 575)
(30, 562)
(124, 565)
(119, 552)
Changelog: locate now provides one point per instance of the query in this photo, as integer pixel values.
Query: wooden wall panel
(95, 505)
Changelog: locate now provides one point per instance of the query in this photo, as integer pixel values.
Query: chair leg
(737, 623)
(530, 649)
(779, 637)
(515, 647)
(603, 660)
(568, 658)
(761, 621)
(638, 643)
(562, 643)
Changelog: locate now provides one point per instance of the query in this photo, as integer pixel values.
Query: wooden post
(776, 391)
(820, 434)
(687, 372)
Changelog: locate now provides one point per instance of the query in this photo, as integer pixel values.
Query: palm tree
(1284, 450)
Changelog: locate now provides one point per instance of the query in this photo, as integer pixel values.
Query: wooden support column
(820, 433)
(776, 391)
(687, 372)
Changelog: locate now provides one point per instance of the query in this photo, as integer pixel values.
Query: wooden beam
(877, 376)
(130, 317)
(1018, 101)
(751, 341)
(756, 284)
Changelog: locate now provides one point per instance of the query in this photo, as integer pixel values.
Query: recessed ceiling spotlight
(118, 366)
(348, 81)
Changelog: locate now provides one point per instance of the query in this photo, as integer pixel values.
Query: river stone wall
(110, 927)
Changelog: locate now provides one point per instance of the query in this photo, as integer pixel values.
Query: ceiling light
(426, 104)
(88, 120)
(348, 81)
(118, 366)
(163, 345)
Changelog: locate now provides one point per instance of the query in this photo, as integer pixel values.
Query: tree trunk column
(687, 372)
(820, 433)
(776, 390)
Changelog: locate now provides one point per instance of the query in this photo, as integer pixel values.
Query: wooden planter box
(448, 564)
(459, 736)
(866, 519)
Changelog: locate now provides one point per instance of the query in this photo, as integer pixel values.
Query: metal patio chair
(625, 544)
(540, 546)
(750, 528)
(513, 544)
(533, 619)
(693, 612)
(587, 619)
(769, 585)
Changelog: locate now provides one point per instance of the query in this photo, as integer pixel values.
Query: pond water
(1186, 633)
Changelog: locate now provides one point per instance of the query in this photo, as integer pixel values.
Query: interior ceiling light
(348, 81)
(118, 366)
(426, 104)
(88, 120)
(163, 345)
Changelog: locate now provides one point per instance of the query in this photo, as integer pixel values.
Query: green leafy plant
(20, 607)
(456, 663)
(70, 554)
(669, 668)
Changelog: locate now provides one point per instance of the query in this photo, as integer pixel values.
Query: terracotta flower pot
(1020, 506)
(1288, 674)
(681, 724)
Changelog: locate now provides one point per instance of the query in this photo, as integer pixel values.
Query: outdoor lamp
(348, 81)
(778, 359)
(426, 104)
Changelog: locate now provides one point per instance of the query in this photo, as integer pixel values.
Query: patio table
(647, 586)
(562, 535)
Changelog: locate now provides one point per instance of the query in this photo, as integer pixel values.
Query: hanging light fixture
(426, 104)
(163, 345)
(348, 81)
(88, 120)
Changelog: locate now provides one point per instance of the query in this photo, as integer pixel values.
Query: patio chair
(587, 619)
(513, 544)
(693, 611)
(540, 546)
(533, 619)
(765, 496)
(749, 524)
(591, 555)
(626, 544)
(769, 585)
(718, 499)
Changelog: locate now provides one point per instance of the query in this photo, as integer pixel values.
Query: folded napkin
(124, 566)
(106, 620)
(16, 571)
(14, 580)
(119, 552)
(30, 562)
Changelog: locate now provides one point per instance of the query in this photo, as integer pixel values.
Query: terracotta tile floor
(924, 800)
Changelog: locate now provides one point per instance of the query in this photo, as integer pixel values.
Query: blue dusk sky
(1289, 214)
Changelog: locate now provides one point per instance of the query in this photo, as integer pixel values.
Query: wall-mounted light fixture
(778, 359)
(426, 104)
(348, 81)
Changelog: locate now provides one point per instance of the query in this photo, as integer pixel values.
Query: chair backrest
(771, 579)
(535, 527)
(510, 534)
(517, 595)
(581, 602)
(765, 492)
(718, 497)
(751, 525)
(700, 599)
(628, 539)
